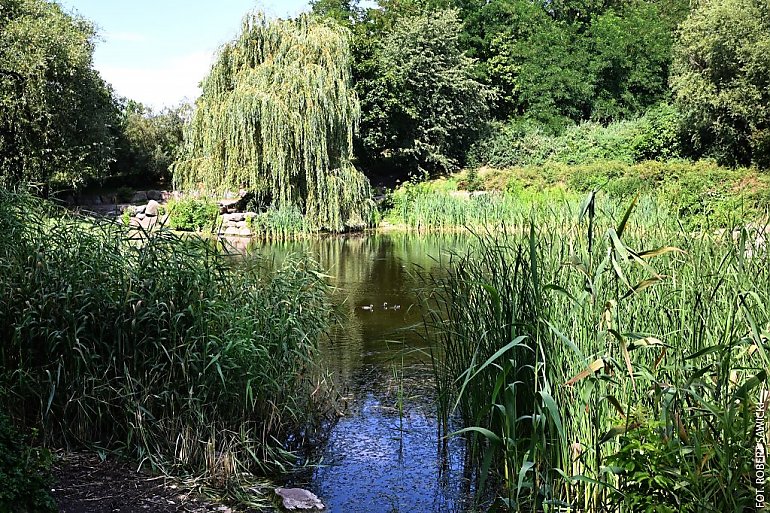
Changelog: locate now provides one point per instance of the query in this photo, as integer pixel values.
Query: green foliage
(24, 473)
(156, 345)
(701, 193)
(192, 214)
(276, 115)
(546, 335)
(148, 143)
(279, 223)
(523, 142)
(649, 465)
(557, 64)
(55, 110)
(421, 107)
(659, 134)
(721, 80)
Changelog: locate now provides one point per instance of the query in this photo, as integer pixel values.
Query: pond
(383, 455)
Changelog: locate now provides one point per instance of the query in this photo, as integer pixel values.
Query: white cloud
(164, 85)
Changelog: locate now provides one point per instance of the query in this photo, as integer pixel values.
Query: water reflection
(382, 456)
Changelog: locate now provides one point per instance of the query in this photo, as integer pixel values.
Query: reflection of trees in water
(371, 269)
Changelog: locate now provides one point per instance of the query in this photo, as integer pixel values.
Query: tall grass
(611, 364)
(156, 345)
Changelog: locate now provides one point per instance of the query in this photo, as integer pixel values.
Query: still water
(383, 455)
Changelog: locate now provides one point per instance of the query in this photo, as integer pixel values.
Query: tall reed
(625, 376)
(156, 345)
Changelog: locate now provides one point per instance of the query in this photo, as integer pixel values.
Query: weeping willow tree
(276, 116)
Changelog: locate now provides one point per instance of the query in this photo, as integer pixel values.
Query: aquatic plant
(612, 362)
(155, 345)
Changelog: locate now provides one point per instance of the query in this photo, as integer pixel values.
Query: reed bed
(156, 345)
(606, 360)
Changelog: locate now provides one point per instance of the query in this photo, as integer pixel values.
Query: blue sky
(156, 51)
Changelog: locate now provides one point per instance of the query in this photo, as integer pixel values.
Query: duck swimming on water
(368, 307)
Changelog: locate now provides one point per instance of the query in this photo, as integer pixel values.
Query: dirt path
(85, 484)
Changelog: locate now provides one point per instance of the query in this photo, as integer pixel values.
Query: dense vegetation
(155, 346)
(608, 364)
(703, 195)
(276, 116)
(587, 372)
(549, 66)
(55, 110)
(61, 125)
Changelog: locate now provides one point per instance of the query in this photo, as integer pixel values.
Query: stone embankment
(146, 209)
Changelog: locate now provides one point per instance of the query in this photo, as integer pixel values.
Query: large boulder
(151, 210)
(139, 196)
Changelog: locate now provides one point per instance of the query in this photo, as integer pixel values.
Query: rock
(244, 232)
(236, 217)
(151, 209)
(298, 498)
(240, 224)
(140, 209)
(232, 230)
(154, 195)
(140, 216)
(139, 196)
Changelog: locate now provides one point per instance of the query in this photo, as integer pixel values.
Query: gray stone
(139, 196)
(232, 230)
(151, 209)
(244, 232)
(154, 195)
(298, 498)
(140, 216)
(235, 217)
(240, 224)
(141, 209)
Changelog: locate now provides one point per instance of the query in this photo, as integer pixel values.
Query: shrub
(659, 134)
(25, 476)
(192, 214)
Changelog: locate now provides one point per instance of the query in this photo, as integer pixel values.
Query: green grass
(155, 345)
(589, 375)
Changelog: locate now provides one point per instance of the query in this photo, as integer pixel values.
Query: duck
(385, 305)
(395, 307)
(368, 307)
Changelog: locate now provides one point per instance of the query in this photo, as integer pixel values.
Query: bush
(192, 214)
(525, 143)
(659, 135)
(25, 476)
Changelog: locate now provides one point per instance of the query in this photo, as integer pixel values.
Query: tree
(721, 80)
(55, 110)
(276, 116)
(574, 61)
(147, 142)
(631, 56)
(422, 108)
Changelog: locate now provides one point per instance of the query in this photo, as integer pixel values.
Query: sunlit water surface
(383, 455)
